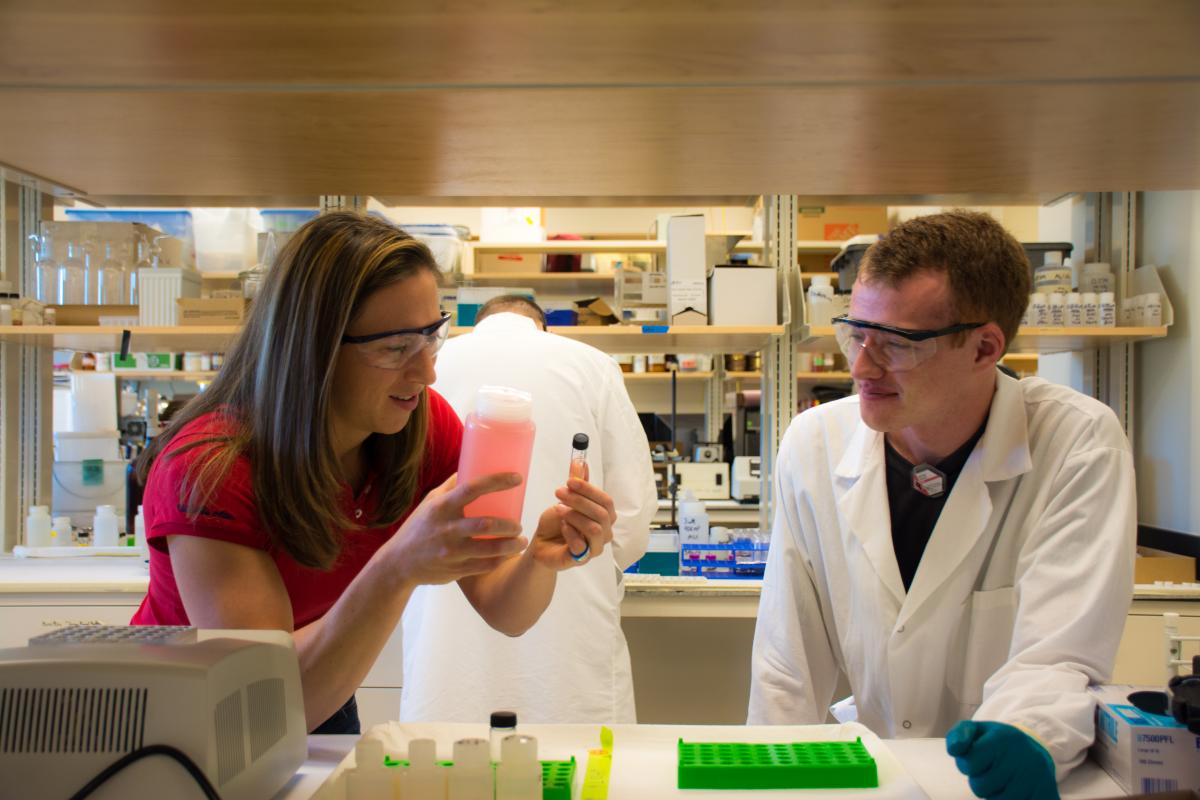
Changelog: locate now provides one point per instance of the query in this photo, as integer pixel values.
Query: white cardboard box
(687, 302)
(742, 296)
(1142, 752)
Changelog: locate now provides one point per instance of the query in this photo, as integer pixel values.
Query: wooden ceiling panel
(1018, 140)
(589, 42)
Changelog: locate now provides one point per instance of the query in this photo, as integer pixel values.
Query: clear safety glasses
(394, 349)
(893, 349)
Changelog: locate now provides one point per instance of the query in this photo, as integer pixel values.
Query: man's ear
(991, 345)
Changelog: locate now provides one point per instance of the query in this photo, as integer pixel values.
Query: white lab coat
(573, 664)
(1018, 602)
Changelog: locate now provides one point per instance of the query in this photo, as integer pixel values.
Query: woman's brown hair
(274, 391)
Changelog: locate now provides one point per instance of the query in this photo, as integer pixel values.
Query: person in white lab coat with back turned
(573, 664)
(959, 544)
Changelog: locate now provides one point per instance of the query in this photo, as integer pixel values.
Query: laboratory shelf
(101, 338)
(652, 246)
(673, 339)
(820, 338)
(147, 374)
(803, 377)
(664, 377)
(549, 282)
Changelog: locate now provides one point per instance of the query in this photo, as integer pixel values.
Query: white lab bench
(684, 639)
(925, 760)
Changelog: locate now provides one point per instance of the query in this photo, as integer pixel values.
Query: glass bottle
(110, 279)
(72, 277)
(143, 262)
(45, 270)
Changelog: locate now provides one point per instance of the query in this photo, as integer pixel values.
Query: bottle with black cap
(579, 448)
(503, 723)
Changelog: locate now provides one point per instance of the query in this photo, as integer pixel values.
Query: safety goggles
(394, 349)
(893, 349)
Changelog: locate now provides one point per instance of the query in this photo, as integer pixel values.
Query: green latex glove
(1002, 762)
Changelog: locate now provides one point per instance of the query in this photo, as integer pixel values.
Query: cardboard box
(687, 283)
(594, 311)
(209, 311)
(1142, 752)
(641, 288)
(1176, 569)
(508, 262)
(742, 296)
(838, 223)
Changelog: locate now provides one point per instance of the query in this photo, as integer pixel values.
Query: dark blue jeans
(344, 720)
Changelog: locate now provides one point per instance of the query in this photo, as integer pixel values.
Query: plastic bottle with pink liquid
(498, 437)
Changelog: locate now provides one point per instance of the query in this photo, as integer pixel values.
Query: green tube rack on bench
(798, 765)
(557, 776)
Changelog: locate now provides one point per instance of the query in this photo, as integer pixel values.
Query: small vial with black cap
(503, 723)
(579, 448)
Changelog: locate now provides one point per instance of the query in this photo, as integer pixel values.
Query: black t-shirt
(913, 514)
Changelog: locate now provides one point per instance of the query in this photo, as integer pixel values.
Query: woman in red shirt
(311, 487)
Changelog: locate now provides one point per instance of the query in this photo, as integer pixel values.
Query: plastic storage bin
(77, 487)
(845, 264)
(799, 765)
(160, 288)
(1040, 253)
(285, 220)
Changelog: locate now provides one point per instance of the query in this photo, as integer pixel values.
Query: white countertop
(96, 575)
(924, 759)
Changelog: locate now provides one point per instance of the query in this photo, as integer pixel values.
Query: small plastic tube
(369, 779)
(471, 775)
(423, 778)
(519, 776)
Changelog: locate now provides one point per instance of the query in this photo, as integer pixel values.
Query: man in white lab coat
(573, 665)
(957, 543)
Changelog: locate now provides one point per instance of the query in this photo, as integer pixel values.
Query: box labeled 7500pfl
(1143, 752)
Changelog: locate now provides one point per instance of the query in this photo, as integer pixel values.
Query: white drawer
(19, 623)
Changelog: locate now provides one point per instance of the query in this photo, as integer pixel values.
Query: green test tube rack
(798, 765)
(557, 776)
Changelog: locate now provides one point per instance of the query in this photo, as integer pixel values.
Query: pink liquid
(488, 447)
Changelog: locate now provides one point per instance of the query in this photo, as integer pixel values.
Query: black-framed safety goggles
(893, 349)
(394, 349)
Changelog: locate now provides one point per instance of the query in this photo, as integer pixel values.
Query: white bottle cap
(1037, 297)
(1058, 299)
(368, 753)
(1108, 297)
(422, 752)
(1074, 297)
(472, 754)
(106, 511)
(39, 511)
(1090, 297)
(502, 404)
(518, 749)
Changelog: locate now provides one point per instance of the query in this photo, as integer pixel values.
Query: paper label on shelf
(686, 292)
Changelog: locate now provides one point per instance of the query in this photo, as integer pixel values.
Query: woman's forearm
(337, 650)
(513, 596)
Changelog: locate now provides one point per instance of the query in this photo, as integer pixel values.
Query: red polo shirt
(231, 515)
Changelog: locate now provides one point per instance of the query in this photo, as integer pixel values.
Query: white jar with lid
(104, 527)
(1108, 310)
(820, 301)
(1091, 309)
(1058, 309)
(37, 527)
(1074, 310)
(1152, 310)
(1039, 310)
(1096, 277)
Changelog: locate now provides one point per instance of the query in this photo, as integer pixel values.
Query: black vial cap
(580, 442)
(504, 719)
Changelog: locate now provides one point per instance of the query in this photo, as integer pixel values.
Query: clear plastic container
(498, 437)
(45, 270)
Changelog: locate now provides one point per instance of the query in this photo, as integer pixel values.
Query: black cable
(150, 750)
